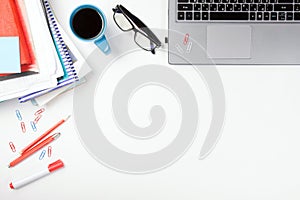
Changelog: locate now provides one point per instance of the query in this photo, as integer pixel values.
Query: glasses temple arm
(140, 25)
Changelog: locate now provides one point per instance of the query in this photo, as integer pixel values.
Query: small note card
(9, 55)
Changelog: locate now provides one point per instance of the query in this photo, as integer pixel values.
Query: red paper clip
(49, 151)
(12, 147)
(23, 127)
(40, 111)
(37, 119)
(186, 39)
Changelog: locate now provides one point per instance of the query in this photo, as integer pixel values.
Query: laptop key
(289, 16)
(183, 1)
(205, 7)
(269, 7)
(285, 1)
(261, 7)
(266, 16)
(229, 7)
(283, 7)
(274, 16)
(180, 15)
(205, 16)
(259, 15)
(189, 16)
(281, 16)
(253, 7)
(213, 7)
(297, 7)
(197, 7)
(221, 7)
(297, 16)
(229, 16)
(245, 7)
(197, 16)
(185, 7)
(237, 7)
(252, 16)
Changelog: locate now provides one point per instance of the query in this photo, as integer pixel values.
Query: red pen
(28, 153)
(44, 135)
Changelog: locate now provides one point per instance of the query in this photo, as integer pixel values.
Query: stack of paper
(49, 66)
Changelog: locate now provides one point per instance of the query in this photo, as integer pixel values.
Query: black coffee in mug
(87, 23)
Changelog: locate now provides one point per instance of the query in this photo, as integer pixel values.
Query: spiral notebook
(70, 74)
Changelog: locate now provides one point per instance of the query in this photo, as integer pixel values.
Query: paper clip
(33, 126)
(40, 111)
(186, 39)
(12, 147)
(37, 119)
(19, 116)
(42, 155)
(49, 151)
(189, 48)
(23, 127)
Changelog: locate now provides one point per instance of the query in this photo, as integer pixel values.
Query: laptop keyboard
(238, 10)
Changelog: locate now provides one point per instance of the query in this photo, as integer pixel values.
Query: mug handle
(103, 45)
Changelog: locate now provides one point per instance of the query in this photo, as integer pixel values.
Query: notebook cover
(13, 23)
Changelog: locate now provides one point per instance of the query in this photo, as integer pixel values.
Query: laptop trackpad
(229, 41)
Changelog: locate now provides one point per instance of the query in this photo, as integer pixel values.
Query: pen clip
(55, 135)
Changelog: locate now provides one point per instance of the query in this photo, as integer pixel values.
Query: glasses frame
(138, 27)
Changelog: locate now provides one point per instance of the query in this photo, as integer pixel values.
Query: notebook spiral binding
(70, 75)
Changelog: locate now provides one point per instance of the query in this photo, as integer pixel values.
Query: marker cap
(11, 186)
(56, 165)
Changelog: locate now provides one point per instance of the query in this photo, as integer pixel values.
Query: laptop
(234, 32)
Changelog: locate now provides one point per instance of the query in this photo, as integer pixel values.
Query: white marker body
(30, 179)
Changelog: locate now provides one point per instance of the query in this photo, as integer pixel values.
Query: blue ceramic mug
(88, 23)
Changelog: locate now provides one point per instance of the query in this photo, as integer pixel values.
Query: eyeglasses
(143, 36)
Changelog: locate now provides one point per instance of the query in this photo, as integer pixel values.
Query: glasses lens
(144, 42)
(122, 22)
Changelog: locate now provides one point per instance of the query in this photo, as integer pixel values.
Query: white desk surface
(256, 158)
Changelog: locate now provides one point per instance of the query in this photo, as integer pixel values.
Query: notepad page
(46, 58)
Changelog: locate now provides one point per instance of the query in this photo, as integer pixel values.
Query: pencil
(34, 149)
(44, 135)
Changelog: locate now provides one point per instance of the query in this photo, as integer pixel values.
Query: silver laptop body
(232, 41)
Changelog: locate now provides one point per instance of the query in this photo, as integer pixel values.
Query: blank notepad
(9, 55)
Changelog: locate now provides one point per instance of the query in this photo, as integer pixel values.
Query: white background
(256, 158)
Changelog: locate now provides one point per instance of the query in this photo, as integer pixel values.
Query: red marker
(51, 168)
